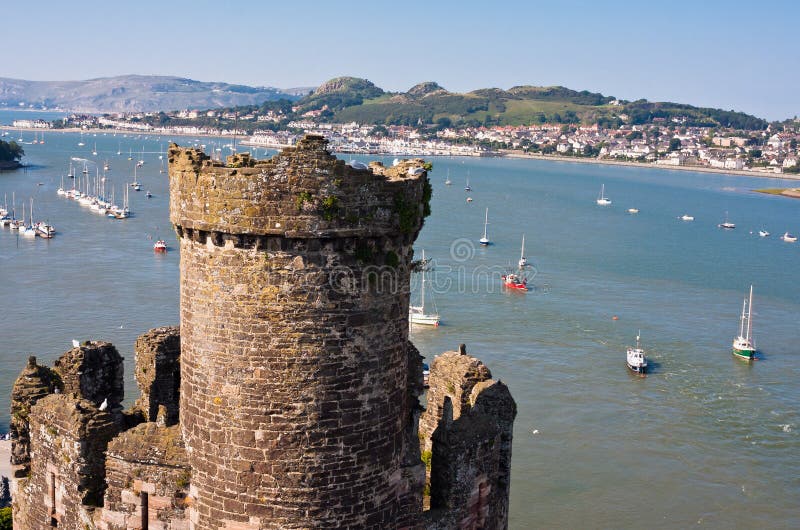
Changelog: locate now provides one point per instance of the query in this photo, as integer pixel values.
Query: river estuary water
(704, 440)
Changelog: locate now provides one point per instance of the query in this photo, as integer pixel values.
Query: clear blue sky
(729, 54)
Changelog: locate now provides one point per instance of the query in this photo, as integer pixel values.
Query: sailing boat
(130, 153)
(447, 182)
(602, 200)
(485, 240)
(743, 345)
(71, 173)
(727, 225)
(85, 169)
(417, 314)
(94, 149)
(523, 261)
(467, 188)
(135, 184)
(27, 231)
(635, 357)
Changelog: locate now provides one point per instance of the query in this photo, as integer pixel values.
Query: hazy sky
(729, 54)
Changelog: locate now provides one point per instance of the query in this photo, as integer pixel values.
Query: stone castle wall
(466, 432)
(294, 397)
(289, 397)
(69, 436)
(148, 475)
(158, 373)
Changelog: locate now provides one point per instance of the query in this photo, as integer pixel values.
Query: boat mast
(422, 291)
(741, 324)
(485, 223)
(522, 253)
(750, 316)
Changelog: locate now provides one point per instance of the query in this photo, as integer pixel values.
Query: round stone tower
(294, 281)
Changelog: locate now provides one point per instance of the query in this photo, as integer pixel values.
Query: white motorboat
(788, 238)
(687, 217)
(636, 359)
(726, 224)
(763, 233)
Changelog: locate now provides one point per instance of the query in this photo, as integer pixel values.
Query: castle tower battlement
(295, 402)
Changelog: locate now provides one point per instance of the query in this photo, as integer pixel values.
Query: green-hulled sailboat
(743, 345)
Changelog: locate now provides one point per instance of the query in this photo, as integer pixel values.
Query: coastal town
(674, 145)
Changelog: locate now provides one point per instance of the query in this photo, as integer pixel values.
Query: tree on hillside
(10, 151)
(675, 144)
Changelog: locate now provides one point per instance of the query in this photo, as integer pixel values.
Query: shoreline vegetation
(786, 192)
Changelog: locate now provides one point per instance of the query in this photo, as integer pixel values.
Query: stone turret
(296, 407)
(34, 383)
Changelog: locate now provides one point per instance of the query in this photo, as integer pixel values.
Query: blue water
(705, 439)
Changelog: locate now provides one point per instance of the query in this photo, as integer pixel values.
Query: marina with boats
(556, 344)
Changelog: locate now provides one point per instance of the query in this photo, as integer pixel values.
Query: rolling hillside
(352, 99)
(134, 93)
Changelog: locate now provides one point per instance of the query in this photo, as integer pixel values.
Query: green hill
(352, 99)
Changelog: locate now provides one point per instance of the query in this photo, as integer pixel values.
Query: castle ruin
(290, 395)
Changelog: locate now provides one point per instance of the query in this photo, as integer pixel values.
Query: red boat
(515, 281)
(160, 246)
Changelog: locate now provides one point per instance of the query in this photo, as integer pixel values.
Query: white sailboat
(523, 261)
(416, 313)
(135, 184)
(726, 224)
(485, 240)
(448, 182)
(29, 230)
(602, 200)
(743, 345)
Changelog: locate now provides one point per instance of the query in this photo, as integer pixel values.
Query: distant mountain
(346, 99)
(134, 93)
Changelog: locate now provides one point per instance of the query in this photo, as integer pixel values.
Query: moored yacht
(743, 344)
(485, 239)
(602, 200)
(788, 238)
(523, 261)
(417, 314)
(726, 224)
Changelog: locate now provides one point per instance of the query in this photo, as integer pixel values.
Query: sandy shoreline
(5, 458)
(501, 154)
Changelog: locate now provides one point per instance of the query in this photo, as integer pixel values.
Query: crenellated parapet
(302, 192)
